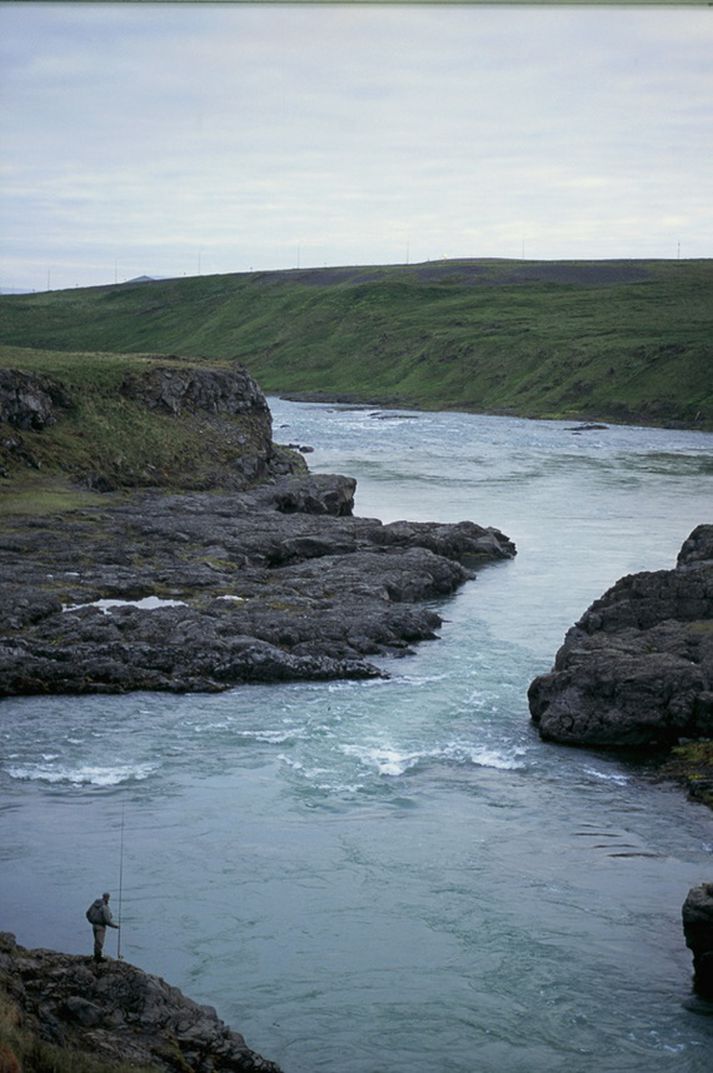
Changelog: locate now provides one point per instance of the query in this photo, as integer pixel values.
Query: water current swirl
(397, 876)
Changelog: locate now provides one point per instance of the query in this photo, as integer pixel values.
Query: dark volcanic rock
(174, 390)
(698, 929)
(28, 401)
(637, 669)
(119, 1014)
(277, 583)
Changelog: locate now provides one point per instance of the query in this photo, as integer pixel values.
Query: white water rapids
(398, 876)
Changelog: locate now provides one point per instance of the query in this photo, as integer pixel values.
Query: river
(397, 876)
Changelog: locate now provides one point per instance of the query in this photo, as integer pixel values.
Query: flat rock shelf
(203, 591)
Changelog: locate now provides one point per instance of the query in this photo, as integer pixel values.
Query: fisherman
(99, 916)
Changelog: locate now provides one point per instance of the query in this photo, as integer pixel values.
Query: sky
(186, 139)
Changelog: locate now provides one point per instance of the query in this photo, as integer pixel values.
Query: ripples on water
(397, 875)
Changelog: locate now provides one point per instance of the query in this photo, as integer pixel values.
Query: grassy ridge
(107, 441)
(615, 340)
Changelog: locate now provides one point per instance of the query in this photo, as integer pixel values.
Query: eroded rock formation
(637, 669)
(273, 584)
(115, 1012)
(212, 428)
(28, 401)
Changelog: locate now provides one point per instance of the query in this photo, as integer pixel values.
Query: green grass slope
(615, 340)
(106, 441)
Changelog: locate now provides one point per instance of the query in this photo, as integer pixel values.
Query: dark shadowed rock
(119, 1013)
(28, 401)
(637, 669)
(698, 929)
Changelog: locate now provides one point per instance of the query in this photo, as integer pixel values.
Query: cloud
(147, 133)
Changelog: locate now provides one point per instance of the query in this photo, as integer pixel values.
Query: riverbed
(397, 876)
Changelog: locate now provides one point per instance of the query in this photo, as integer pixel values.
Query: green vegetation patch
(108, 441)
(618, 340)
(692, 764)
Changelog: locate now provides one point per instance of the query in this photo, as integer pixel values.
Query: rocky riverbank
(202, 591)
(637, 669)
(69, 1011)
(236, 565)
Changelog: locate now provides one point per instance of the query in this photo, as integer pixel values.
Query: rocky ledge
(203, 591)
(191, 426)
(637, 669)
(698, 930)
(113, 1011)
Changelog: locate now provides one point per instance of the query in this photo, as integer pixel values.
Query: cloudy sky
(178, 139)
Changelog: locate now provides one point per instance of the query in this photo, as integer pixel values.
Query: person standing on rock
(99, 916)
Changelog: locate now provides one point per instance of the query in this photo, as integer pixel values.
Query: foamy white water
(397, 874)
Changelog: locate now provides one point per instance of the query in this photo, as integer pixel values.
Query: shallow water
(398, 875)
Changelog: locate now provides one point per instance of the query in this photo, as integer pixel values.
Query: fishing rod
(121, 882)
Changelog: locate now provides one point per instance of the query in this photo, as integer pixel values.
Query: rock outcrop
(698, 930)
(175, 390)
(117, 1013)
(637, 669)
(193, 426)
(28, 401)
(273, 584)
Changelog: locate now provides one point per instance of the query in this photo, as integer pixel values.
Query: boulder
(637, 669)
(697, 916)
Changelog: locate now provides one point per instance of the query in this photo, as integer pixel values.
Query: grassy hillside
(105, 440)
(619, 340)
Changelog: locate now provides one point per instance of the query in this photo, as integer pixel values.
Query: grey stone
(637, 669)
(277, 583)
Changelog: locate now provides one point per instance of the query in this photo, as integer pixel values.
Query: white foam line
(148, 603)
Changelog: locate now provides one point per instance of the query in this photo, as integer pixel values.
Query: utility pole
(48, 279)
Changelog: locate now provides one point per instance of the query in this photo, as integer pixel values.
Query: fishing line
(121, 882)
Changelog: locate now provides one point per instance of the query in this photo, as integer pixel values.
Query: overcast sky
(169, 140)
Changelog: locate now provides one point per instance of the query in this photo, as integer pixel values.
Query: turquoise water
(398, 875)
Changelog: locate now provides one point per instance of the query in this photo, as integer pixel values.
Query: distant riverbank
(621, 341)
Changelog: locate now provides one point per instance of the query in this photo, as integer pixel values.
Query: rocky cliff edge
(637, 669)
(112, 1011)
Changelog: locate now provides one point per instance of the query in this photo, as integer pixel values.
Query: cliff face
(28, 401)
(113, 422)
(114, 1011)
(637, 669)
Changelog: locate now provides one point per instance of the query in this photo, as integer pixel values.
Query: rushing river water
(397, 876)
